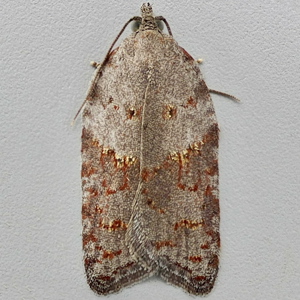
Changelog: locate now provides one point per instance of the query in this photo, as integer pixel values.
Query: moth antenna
(100, 66)
(224, 94)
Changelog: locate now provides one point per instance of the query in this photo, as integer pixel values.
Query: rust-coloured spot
(188, 224)
(181, 186)
(125, 185)
(191, 102)
(107, 155)
(85, 134)
(147, 174)
(85, 211)
(87, 170)
(150, 201)
(205, 246)
(104, 278)
(107, 254)
(92, 192)
(152, 205)
(209, 232)
(213, 170)
(114, 225)
(133, 113)
(95, 143)
(130, 113)
(212, 136)
(194, 188)
(91, 261)
(110, 254)
(121, 165)
(199, 278)
(208, 191)
(145, 191)
(195, 259)
(110, 191)
(116, 107)
(161, 244)
(98, 209)
(184, 160)
(169, 112)
(89, 238)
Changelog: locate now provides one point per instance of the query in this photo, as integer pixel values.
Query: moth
(150, 166)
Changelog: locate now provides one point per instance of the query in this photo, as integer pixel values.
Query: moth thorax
(148, 23)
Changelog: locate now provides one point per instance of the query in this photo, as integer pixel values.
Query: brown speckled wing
(150, 169)
(110, 176)
(175, 220)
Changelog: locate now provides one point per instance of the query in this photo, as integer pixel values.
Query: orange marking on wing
(205, 246)
(110, 191)
(161, 244)
(145, 191)
(208, 191)
(152, 205)
(199, 278)
(121, 164)
(125, 185)
(93, 192)
(195, 259)
(87, 169)
(213, 170)
(169, 112)
(98, 209)
(113, 226)
(134, 114)
(90, 261)
(104, 183)
(183, 159)
(85, 211)
(147, 174)
(188, 224)
(110, 254)
(89, 238)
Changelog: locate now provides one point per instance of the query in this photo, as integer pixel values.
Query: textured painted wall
(250, 49)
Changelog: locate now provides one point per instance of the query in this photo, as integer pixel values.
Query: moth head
(146, 9)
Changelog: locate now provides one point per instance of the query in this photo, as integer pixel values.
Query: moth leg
(224, 94)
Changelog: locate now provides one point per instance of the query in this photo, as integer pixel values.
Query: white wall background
(250, 49)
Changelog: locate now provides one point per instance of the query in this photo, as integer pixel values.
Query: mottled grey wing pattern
(175, 221)
(110, 176)
(150, 169)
